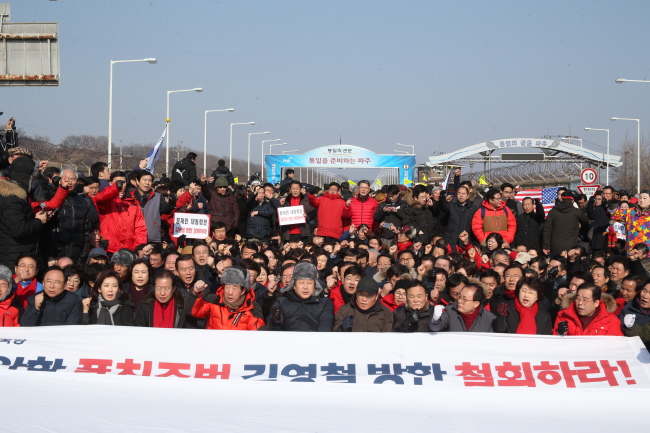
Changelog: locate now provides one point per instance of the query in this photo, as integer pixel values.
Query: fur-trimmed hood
(608, 300)
(381, 275)
(10, 188)
(411, 201)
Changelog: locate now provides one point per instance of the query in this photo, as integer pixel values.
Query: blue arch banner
(339, 156)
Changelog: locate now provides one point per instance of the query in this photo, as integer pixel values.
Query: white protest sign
(291, 215)
(192, 225)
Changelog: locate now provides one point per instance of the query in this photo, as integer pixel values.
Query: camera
(551, 274)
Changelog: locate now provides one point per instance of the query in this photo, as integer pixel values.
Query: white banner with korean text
(291, 215)
(108, 379)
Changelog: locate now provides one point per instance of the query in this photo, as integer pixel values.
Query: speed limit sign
(588, 176)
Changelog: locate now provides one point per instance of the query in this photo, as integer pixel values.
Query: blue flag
(153, 156)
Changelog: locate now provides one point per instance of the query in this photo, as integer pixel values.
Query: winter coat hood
(10, 188)
(565, 206)
(609, 301)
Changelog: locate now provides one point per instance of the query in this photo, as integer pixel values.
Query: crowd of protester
(98, 249)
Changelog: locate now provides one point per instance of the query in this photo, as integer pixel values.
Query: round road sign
(588, 176)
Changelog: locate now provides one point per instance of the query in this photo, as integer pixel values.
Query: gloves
(119, 184)
(563, 328)
(628, 320)
(413, 320)
(347, 323)
(276, 316)
(437, 312)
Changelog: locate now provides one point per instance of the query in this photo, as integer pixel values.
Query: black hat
(368, 284)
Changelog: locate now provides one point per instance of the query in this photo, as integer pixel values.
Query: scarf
(23, 292)
(163, 314)
(235, 305)
(527, 324)
(509, 294)
(469, 318)
(106, 310)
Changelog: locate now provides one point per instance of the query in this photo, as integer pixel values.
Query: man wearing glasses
(54, 305)
(587, 315)
(494, 217)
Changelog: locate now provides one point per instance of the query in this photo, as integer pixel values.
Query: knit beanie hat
(123, 257)
(221, 182)
(237, 276)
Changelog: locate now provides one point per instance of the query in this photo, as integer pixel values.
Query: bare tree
(625, 176)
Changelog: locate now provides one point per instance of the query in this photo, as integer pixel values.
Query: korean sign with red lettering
(192, 225)
(291, 215)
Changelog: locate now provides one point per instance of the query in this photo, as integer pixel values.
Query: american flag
(546, 195)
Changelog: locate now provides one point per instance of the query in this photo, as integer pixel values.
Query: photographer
(390, 211)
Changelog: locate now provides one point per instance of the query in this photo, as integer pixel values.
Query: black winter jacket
(508, 324)
(260, 225)
(19, 229)
(420, 217)
(394, 218)
(562, 226)
(460, 218)
(401, 321)
(144, 315)
(313, 314)
(224, 172)
(124, 315)
(529, 227)
(600, 224)
(68, 232)
(65, 309)
(184, 170)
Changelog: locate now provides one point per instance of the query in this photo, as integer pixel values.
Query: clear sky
(437, 75)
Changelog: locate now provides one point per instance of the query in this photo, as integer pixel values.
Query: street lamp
(284, 152)
(231, 125)
(408, 145)
(196, 89)
(151, 61)
(205, 137)
(623, 80)
(266, 141)
(271, 147)
(249, 150)
(607, 167)
(638, 151)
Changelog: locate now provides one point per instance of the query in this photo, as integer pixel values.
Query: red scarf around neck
(527, 324)
(163, 314)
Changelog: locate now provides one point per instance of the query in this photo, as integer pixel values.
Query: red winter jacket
(603, 324)
(336, 297)
(9, 312)
(500, 220)
(247, 317)
(121, 220)
(331, 211)
(55, 203)
(389, 301)
(363, 212)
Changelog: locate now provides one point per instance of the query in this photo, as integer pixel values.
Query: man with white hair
(68, 231)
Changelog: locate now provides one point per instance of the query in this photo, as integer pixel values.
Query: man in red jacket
(331, 211)
(363, 207)
(494, 216)
(587, 315)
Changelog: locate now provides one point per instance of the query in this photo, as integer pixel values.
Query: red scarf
(163, 314)
(23, 293)
(469, 318)
(401, 246)
(509, 294)
(527, 323)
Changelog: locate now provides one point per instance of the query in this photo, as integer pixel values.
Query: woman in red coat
(233, 306)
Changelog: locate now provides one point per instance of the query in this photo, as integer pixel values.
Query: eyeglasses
(583, 300)
(465, 300)
(164, 289)
(512, 277)
(53, 283)
(24, 266)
